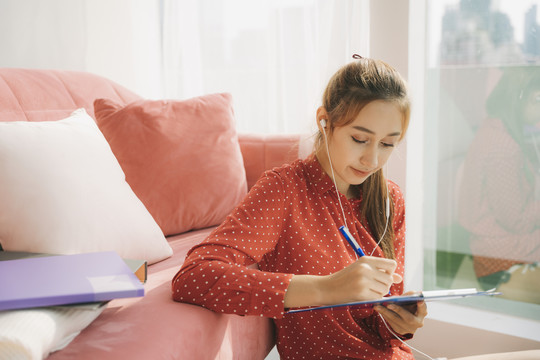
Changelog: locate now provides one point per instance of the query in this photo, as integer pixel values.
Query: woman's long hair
(508, 100)
(348, 91)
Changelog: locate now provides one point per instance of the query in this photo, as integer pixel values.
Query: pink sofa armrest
(264, 152)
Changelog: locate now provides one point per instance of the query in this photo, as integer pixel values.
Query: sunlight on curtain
(123, 43)
(274, 57)
(34, 35)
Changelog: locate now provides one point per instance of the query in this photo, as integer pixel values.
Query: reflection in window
(499, 204)
(483, 109)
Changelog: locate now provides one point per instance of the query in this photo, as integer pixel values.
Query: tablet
(430, 295)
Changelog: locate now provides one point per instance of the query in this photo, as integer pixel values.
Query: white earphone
(323, 124)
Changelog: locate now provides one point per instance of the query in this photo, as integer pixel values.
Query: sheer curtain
(117, 39)
(274, 57)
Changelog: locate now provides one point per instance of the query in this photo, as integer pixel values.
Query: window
(482, 170)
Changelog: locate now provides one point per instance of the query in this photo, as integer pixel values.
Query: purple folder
(66, 279)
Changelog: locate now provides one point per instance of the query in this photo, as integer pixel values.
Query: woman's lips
(361, 173)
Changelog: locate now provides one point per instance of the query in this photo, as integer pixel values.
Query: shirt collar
(320, 179)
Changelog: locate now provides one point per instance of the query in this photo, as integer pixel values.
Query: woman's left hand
(404, 319)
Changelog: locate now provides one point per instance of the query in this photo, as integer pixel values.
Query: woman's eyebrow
(361, 128)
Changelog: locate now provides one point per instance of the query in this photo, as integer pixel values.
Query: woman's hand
(404, 319)
(368, 278)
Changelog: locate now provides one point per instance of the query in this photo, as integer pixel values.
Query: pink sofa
(151, 327)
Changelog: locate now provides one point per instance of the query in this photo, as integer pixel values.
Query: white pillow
(34, 333)
(62, 191)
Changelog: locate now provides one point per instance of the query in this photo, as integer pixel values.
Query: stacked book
(36, 280)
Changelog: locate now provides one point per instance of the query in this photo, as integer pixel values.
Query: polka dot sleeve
(220, 273)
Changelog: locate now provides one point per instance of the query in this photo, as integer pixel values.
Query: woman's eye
(384, 144)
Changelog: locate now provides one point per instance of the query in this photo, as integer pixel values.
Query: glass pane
(483, 124)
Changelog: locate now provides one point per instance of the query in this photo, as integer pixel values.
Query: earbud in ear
(323, 123)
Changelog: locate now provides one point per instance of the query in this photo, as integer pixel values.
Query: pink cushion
(181, 158)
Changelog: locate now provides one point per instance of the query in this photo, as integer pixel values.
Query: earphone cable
(339, 197)
(334, 179)
(397, 337)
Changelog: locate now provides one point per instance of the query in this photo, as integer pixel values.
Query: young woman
(289, 224)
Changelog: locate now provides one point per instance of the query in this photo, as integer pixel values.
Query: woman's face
(363, 146)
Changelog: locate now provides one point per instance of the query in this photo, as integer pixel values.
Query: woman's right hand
(368, 278)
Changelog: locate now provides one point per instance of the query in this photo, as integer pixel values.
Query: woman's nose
(370, 157)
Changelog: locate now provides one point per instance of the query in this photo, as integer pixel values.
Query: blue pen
(347, 235)
(357, 249)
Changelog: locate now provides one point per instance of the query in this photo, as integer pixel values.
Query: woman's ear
(322, 119)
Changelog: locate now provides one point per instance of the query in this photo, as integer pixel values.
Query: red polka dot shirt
(288, 224)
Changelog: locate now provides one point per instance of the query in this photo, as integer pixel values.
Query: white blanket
(32, 334)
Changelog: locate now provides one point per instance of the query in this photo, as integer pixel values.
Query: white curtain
(274, 56)
(118, 39)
